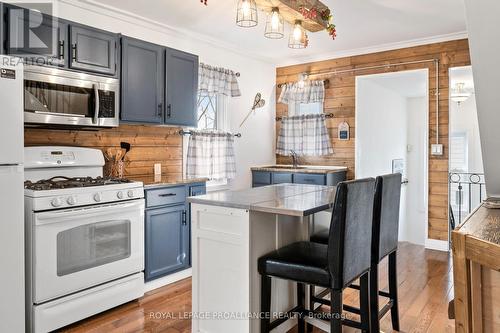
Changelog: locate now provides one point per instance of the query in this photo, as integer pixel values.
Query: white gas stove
(85, 237)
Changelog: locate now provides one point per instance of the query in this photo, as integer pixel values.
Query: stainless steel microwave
(59, 97)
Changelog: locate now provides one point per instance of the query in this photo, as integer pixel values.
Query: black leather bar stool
(385, 243)
(333, 266)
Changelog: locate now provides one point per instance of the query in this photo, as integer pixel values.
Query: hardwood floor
(425, 288)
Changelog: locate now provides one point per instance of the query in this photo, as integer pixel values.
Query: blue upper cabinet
(142, 97)
(47, 44)
(93, 50)
(181, 88)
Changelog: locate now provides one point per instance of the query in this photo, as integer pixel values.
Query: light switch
(437, 149)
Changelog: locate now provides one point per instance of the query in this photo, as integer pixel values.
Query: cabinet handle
(167, 195)
(61, 49)
(184, 218)
(169, 110)
(160, 110)
(73, 48)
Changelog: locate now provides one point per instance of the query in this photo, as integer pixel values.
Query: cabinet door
(142, 81)
(93, 50)
(166, 248)
(46, 41)
(181, 88)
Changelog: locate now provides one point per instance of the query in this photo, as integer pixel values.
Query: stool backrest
(386, 216)
(349, 243)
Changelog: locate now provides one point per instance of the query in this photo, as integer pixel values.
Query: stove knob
(119, 195)
(71, 201)
(56, 202)
(97, 197)
(130, 193)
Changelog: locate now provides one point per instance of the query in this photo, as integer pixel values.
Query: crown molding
(374, 49)
(138, 20)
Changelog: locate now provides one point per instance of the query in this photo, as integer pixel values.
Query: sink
(284, 167)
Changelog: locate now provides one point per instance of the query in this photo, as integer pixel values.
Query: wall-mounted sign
(343, 131)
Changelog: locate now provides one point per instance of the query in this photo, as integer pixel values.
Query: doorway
(392, 136)
(466, 177)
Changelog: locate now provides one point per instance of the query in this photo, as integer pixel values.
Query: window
(458, 152)
(212, 112)
(296, 109)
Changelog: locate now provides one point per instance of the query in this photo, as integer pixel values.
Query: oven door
(81, 248)
(59, 97)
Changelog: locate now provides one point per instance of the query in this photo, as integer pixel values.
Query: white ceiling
(362, 25)
(406, 83)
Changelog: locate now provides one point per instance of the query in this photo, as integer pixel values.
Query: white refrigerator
(12, 286)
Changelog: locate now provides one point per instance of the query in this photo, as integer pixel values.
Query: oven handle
(45, 218)
(96, 107)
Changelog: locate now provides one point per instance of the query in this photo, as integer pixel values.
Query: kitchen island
(230, 231)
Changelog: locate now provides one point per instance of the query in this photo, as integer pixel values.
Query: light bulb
(245, 7)
(275, 20)
(297, 32)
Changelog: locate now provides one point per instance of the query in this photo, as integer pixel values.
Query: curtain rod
(282, 84)
(183, 132)
(327, 115)
(334, 72)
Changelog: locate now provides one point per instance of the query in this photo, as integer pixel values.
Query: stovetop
(60, 182)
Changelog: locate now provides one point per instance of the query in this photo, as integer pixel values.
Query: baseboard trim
(439, 245)
(169, 279)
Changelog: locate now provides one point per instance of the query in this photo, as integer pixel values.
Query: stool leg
(312, 292)
(300, 303)
(393, 290)
(364, 301)
(336, 312)
(265, 304)
(374, 304)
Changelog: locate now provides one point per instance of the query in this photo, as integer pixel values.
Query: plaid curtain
(211, 155)
(215, 80)
(303, 92)
(305, 134)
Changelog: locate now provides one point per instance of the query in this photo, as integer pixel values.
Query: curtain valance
(303, 92)
(217, 80)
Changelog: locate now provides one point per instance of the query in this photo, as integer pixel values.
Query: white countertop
(283, 199)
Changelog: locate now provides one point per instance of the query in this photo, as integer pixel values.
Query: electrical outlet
(157, 168)
(437, 149)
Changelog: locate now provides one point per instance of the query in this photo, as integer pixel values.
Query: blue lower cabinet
(167, 241)
(168, 229)
(308, 178)
(263, 178)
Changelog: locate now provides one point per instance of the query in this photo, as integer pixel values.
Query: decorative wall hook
(257, 104)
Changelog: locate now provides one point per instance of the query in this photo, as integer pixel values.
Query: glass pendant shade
(274, 25)
(298, 36)
(460, 93)
(246, 14)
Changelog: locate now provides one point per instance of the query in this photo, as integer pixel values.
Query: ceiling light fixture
(274, 25)
(460, 94)
(298, 36)
(246, 14)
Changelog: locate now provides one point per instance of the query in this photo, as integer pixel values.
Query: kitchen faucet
(295, 158)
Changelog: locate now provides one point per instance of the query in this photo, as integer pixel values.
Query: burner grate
(61, 182)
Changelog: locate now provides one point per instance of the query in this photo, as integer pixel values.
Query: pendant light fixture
(298, 36)
(460, 94)
(274, 25)
(246, 14)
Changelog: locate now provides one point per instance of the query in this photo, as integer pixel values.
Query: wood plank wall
(340, 100)
(150, 145)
